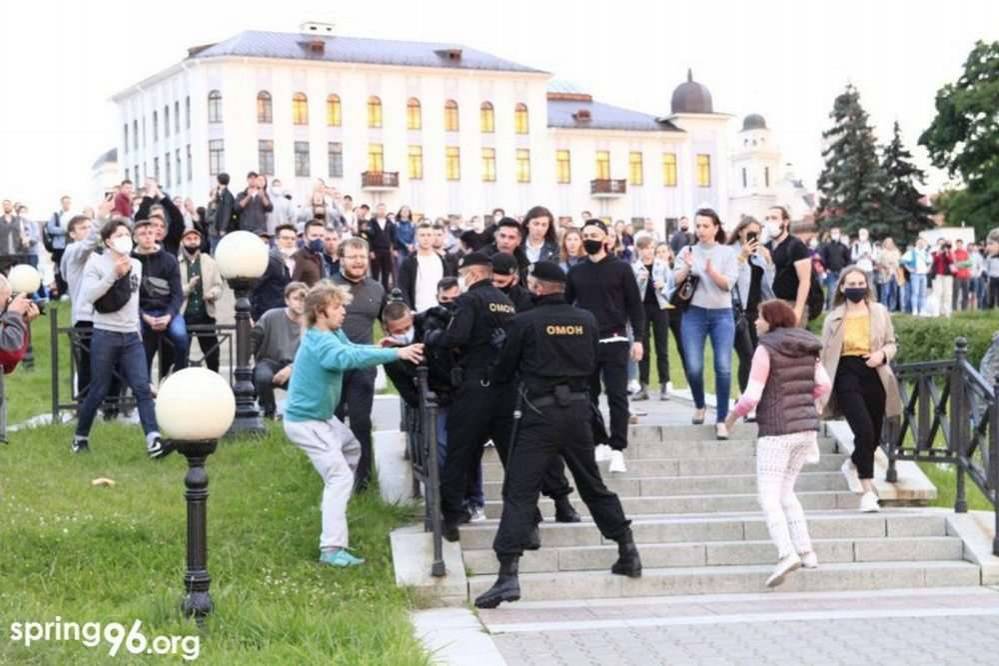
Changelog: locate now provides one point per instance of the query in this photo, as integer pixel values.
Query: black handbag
(743, 335)
(684, 291)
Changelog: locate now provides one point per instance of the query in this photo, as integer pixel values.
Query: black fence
(950, 415)
(420, 426)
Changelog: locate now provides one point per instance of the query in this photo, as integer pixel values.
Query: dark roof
(753, 121)
(295, 46)
(691, 97)
(108, 157)
(563, 113)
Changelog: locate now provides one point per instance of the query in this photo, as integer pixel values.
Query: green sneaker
(340, 558)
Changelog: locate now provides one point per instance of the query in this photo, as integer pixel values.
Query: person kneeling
(324, 354)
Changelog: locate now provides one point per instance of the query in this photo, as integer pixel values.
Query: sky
(60, 62)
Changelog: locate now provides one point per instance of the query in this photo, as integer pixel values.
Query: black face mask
(593, 246)
(855, 294)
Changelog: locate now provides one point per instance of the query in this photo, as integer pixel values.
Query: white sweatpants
(943, 294)
(778, 462)
(334, 452)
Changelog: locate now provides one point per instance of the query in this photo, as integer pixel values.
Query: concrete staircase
(695, 516)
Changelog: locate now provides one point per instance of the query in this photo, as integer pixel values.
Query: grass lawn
(944, 478)
(94, 554)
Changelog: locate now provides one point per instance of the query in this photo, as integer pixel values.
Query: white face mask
(122, 245)
(774, 229)
(405, 338)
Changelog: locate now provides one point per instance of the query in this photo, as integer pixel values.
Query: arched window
(374, 112)
(414, 120)
(333, 115)
(520, 124)
(264, 107)
(300, 109)
(451, 116)
(487, 118)
(215, 107)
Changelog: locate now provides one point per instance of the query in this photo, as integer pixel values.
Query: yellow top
(857, 336)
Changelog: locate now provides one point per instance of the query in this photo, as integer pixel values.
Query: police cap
(474, 259)
(548, 271)
(504, 263)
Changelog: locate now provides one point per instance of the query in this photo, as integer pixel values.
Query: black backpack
(816, 302)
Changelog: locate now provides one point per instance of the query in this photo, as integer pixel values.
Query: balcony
(379, 181)
(606, 188)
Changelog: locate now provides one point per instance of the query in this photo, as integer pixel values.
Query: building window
(265, 107)
(376, 158)
(156, 127)
(766, 176)
(374, 112)
(265, 156)
(451, 116)
(563, 167)
(603, 165)
(299, 109)
(745, 180)
(520, 123)
(636, 173)
(333, 114)
(416, 162)
(127, 172)
(135, 138)
(176, 117)
(177, 163)
(169, 171)
(156, 169)
(216, 157)
(669, 169)
(489, 165)
(334, 154)
(187, 111)
(704, 170)
(452, 163)
(166, 120)
(302, 159)
(143, 132)
(488, 118)
(523, 165)
(190, 164)
(126, 138)
(214, 108)
(414, 120)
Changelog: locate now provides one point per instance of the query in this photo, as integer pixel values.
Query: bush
(932, 338)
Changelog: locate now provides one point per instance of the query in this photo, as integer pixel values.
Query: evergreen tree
(852, 183)
(905, 215)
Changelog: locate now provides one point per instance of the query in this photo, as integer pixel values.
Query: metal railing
(950, 415)
(420, 426)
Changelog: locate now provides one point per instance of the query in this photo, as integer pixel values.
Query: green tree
(964, 140)
(852, 183)
(906, 214)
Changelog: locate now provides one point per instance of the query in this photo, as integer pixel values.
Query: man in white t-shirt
(419, 273)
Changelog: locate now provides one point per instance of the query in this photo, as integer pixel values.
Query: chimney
(582, 116)
(317, 29)
(449, 54)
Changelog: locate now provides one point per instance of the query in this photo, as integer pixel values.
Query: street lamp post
(195, 407)
(242, 259)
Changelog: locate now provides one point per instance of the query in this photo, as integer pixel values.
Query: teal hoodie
(317, 377)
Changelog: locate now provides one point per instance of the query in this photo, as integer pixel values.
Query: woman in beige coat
(858, 343)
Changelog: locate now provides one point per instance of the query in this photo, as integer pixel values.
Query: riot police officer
(481, 408)
(553, 348)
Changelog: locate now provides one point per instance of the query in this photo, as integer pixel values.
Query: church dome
(753, 121)
(691, 97)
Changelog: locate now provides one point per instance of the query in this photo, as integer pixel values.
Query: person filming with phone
(751, 288)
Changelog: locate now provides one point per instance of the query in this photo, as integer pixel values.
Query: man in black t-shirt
(792, 263)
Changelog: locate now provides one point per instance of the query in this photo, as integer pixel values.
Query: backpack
(816, 301)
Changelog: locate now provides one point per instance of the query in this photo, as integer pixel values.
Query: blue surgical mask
(316, 245)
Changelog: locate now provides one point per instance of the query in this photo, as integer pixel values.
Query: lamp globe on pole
(24, 279)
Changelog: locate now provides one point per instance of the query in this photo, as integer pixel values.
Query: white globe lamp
(195, 404)
(24, 279)
(241, 254)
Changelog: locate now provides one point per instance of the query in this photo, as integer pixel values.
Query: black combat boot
(533, 539)
(506, 587)
(564, 513)
(628, 562)
(450, 531)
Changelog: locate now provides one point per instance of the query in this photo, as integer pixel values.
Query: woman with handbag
(858, 343)
(756, 273)
(705, 275)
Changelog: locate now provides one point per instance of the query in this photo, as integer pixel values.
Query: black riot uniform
(481, 408)
(553, 348)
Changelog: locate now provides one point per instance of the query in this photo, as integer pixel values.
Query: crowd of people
(523, 321)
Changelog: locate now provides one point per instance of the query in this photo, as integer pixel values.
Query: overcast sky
(60, 61)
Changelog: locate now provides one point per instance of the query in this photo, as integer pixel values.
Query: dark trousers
(612, 367)
(381, 268)
(994, 292)
(263, 381)
(541, 440)
(746, 354)
(357, 398)
(656, 325)
(81, 354)
(675, 324)
(173, 351)
(107, 350)
(60, 281)
(208, 342)
(476, 415)
(860, 396)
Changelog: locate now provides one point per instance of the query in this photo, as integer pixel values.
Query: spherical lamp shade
(195, 404)
(241, 254)
(24, 279)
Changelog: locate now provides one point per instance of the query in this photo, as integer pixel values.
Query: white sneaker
(602, 452)
(869, 503)
(617, 462)
(634, 386)
(478, 515)
(809, 560)
(783, 568)
(850, 474)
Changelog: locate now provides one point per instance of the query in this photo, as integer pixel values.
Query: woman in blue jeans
(716, 267)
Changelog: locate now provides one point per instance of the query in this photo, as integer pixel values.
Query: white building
(443, 128)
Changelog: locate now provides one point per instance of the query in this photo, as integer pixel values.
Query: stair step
(679, 432)
(642, 449)
(715, 527)
(721, 553)
(737, 579)
(696, 485)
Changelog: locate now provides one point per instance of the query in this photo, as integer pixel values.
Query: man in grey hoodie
(283, 211)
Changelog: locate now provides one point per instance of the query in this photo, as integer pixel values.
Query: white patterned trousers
(779, 460)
